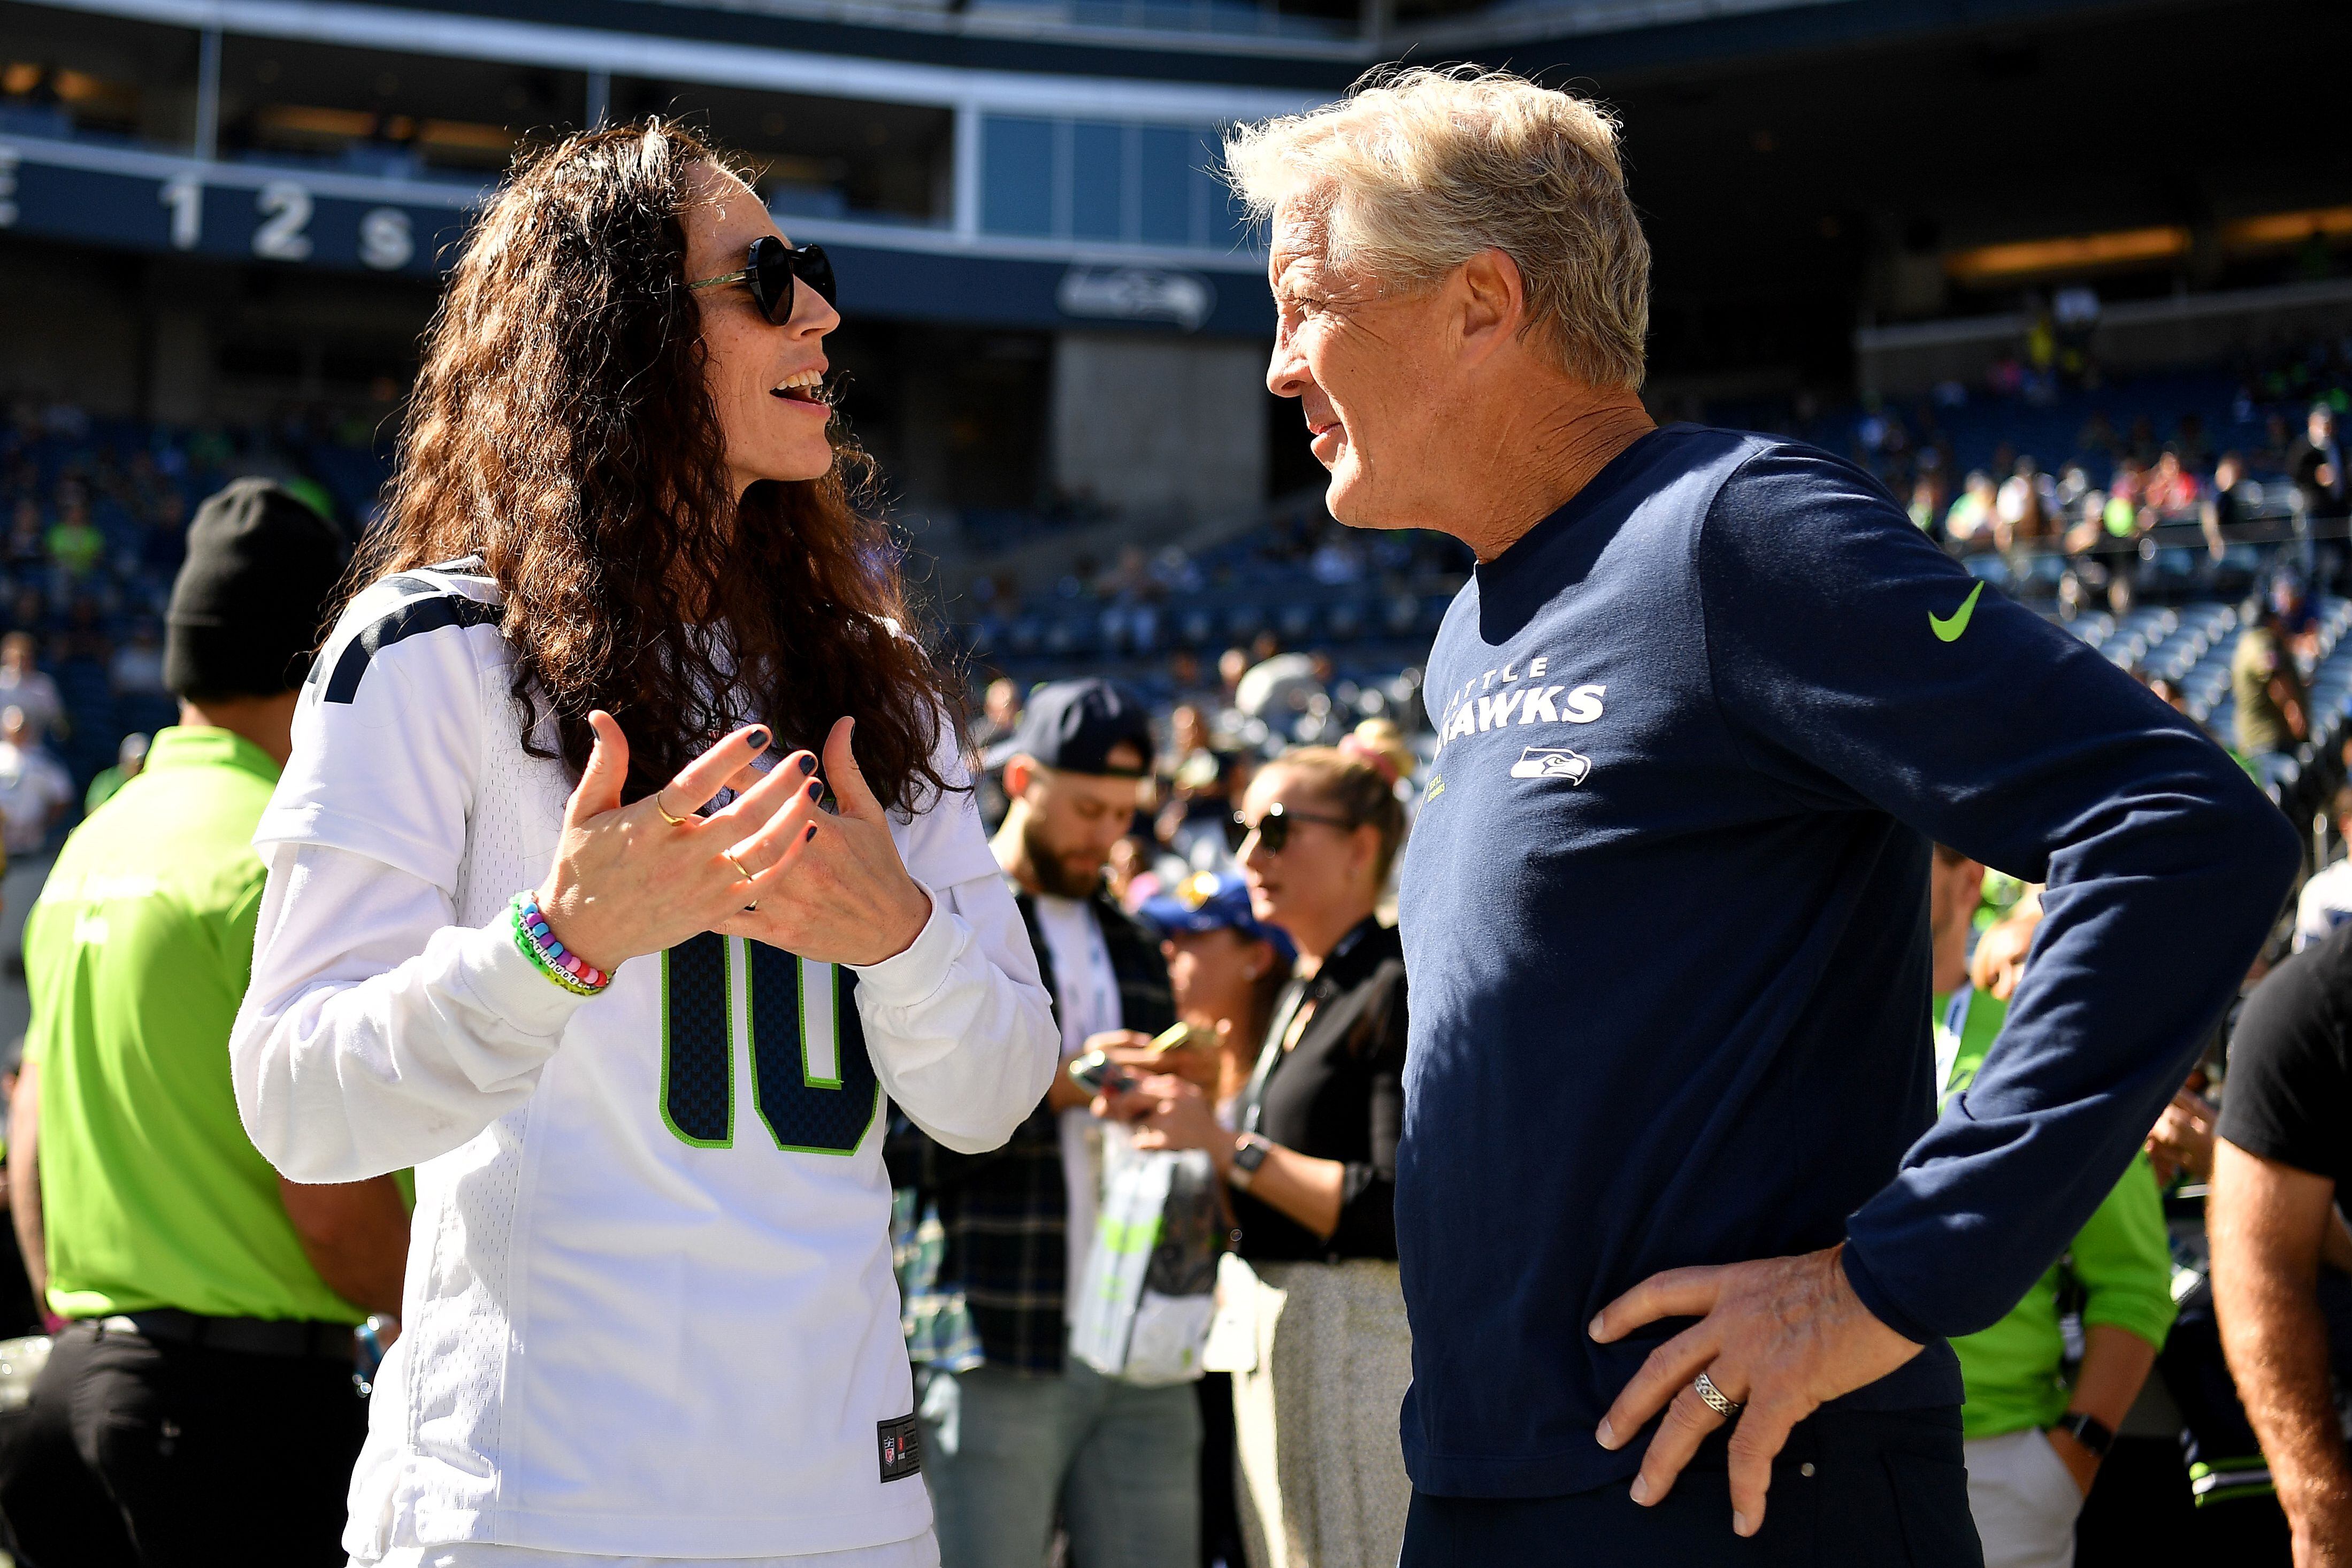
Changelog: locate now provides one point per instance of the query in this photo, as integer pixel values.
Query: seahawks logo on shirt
(1552, 762)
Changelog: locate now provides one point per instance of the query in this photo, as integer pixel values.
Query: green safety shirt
(2013, 1373)
(136, 954)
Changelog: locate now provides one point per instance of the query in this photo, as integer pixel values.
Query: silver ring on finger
(1716, 1399)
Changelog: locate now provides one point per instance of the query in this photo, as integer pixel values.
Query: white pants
(2024, 1500)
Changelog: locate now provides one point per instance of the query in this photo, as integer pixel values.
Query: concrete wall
(189, 339)
(1160, 425)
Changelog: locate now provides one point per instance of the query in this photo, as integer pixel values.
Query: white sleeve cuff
(506, 984)
(912, 975)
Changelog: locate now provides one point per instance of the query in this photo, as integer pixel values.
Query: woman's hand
(1168, 1113)
(627, 881)
(849, 899)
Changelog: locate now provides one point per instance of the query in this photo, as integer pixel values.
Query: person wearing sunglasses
(1315, 1334)
(623, 644)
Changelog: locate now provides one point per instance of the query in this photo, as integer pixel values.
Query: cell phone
(1097, 1074)
(1178, 1036)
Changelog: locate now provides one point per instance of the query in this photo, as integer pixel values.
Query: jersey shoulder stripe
(426, 599)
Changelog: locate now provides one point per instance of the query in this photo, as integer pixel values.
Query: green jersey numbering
(812, 1081)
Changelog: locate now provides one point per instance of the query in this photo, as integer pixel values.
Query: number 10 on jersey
(811, 1082)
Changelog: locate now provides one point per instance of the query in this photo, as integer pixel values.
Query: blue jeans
(1001, 1448)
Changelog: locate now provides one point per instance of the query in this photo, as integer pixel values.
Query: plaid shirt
(983, 1245)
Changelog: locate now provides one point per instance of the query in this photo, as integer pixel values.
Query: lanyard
(1286, 1013)
(1291, 1014)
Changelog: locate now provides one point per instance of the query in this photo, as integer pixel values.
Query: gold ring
(672, 821)
(730, 859)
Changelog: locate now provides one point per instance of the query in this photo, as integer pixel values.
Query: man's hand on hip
(1782, 1336)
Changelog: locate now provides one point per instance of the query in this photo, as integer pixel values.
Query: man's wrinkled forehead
(1300, 231)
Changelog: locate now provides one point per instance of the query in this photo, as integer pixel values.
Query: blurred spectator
(137, 668)
(1279, 688)
(129, 758)
(211, 1303)
(1000, 713)
(1128, 874)
(1926, 500)
(2026, 509)
(2170, 690)
(1014, 1430)
(2327, 899)
(27, 688)
(1232, 666)
(75, 545)
(2170, 488)
(24, 547)
(2316, 465)
(35, 789)
(18, 1312)
(2271, 705)
(1228, 970)
(1971, 520)
(1313, 1323)
(2281, 1163)
(2035, 1438)
(2224, 512)
(164, 545)
(1199, 796)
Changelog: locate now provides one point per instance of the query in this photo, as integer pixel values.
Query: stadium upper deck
(228, 208)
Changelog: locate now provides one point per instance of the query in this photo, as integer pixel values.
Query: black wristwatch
(2088, 1430)
(1249, 1152)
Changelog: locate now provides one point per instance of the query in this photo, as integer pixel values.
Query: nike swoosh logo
(1950, 627)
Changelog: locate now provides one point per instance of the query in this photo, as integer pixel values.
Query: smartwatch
(1249, 1152)
(2088, 1430)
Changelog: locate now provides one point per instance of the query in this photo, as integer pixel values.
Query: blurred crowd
(1206, 857)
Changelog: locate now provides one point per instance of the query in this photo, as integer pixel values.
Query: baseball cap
(1075, 725)
(1212, 901)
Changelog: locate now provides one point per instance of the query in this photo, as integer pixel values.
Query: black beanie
(246, 606)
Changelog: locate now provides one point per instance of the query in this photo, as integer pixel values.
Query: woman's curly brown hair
(560, 430)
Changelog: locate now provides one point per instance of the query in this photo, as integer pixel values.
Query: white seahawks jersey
(649, 1308)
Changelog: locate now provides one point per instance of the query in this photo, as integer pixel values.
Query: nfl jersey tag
(902, 1446)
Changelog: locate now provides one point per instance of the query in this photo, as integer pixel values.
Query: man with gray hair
(1702, 707)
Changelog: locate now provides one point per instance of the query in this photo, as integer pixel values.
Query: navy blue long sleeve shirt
(1664, 909)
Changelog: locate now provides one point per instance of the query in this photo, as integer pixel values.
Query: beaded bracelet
(567, 969)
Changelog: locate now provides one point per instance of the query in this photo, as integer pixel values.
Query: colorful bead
(538, 944)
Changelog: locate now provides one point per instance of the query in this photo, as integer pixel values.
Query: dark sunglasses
(1273, 829)
(772, 268)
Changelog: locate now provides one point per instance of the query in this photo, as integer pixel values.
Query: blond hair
(1359, 791)
(1415, 172)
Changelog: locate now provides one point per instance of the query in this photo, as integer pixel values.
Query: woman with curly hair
(620, 616)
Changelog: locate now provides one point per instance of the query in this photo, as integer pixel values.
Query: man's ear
(1019, 773)
(1491, 297)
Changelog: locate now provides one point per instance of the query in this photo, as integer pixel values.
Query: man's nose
(1286, 372)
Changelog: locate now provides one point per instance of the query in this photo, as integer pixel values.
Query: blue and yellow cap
(1212, 901)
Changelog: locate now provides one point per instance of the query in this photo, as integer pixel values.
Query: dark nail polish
(816, 789)
(808, 762)
(757, 739)
(811, 833)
